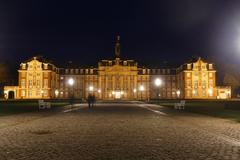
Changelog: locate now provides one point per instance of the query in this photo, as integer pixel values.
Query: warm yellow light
(70, 81)
(141, 88)
(134, 90)
(158, 82)
(121, 92)
(178, 92)
(99, 91)
(91, 88)
(56, 92)
(210, 92)
(113, 92)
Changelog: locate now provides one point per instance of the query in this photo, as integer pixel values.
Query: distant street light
(91, 88)
(178, 93)
(158, 83)
(141, 88)
(56, 93)
(70, 81)
(42, 93)
(210, 92)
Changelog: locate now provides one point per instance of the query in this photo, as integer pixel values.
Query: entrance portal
(118, 95)
(11, 95)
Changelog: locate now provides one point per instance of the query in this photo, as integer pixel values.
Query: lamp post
(71, 83)
(158, 83)
(178, 93)
(99, 93)
(141, 88)
(56, 93)
(134, 92)
(42, 93)
(210, 92)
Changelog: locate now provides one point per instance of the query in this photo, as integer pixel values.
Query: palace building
(116, 79)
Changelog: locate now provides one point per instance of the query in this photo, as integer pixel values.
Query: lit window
(210, 66)
(23, 83)
(23, 93)
(210, 75)
(45, 82)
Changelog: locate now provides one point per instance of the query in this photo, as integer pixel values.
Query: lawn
(16, 107)
(222, 109)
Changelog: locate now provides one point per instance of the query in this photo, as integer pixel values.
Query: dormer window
(24, 66)
(188, 66)
(45, 66)
(210, 66)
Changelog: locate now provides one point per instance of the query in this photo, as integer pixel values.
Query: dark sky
(152, 31)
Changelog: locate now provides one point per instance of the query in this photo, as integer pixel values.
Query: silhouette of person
(93, 100)
(89, 99)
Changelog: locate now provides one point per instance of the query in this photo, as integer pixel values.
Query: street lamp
(71, 83)
(56, 93)
(141, 88)
(134, 92)
(158, 83)
(210, 92)
(42, 93)
(178, 93)
(99, 92)
(91, 88)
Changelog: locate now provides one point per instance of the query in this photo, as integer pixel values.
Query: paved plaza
(130, 130)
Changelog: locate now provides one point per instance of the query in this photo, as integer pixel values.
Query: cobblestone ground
(118, 131)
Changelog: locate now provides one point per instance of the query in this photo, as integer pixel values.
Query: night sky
(152, 31)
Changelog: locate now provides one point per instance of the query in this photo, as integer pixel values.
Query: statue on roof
(117, 48)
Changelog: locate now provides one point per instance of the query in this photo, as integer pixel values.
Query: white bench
(43, 105)
(180, 105)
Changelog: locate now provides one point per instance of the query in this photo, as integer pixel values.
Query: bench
(180, 105)
(43, 105)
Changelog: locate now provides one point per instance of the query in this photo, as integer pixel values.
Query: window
(76, 71)
(210, 75)
(188, 66)
(38, 83)
(188, 75)
(210, 83)
(195, 84)
(144, 71)
(210, 66)
(30, 93)
(23, 83)
(23, 66)
(38, 93)
(66, 71)
(23, 93)
(45, 82)
(168, 71)
(71, 71)
(45, 66)
(45, 94)
(30, 83)
(189, 83)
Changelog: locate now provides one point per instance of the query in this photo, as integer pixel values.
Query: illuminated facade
(116, 79)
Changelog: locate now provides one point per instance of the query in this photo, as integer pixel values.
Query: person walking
(89, 99)
(93, 100)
